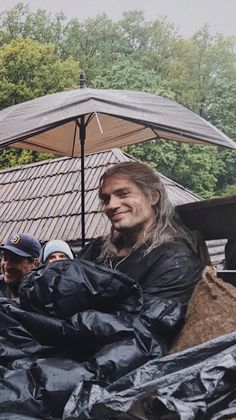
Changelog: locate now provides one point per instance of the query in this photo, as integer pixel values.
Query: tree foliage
(129, 74)
(39, 26)
(181, 162)
(28, 70)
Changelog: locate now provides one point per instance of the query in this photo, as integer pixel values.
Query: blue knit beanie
(56, 245)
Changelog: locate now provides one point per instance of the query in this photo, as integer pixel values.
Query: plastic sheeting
(199, 383)
(81, 344)
(75, 321)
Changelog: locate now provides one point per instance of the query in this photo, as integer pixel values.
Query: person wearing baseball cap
(20, 254)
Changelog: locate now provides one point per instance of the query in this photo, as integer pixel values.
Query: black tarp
(81, 344)
(75, 321)
(198, 383)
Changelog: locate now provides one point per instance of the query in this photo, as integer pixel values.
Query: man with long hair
(147, 240)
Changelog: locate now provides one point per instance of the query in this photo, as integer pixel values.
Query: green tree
(192, 166)
(13, 157)
(129, 74)
(29, 69)
(135, 32)
(39, 26)
(197, 66)
(100, 42)
(150, 43)
(95, 44)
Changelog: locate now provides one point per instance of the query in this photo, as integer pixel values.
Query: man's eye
(123, 194)
(105, 201)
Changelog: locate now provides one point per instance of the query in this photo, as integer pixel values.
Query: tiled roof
(43, 198)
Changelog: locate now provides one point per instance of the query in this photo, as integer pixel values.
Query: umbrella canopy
(111, 118)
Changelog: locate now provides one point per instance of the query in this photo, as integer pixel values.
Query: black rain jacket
(169, 271)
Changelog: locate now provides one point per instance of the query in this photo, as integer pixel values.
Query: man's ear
(36, 262)
(156, 198)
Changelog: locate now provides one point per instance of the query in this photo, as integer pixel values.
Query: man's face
(14, 267)
(125, 204)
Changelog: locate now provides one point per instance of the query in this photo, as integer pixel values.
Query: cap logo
(15, 239)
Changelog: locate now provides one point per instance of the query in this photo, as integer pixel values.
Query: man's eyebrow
(121, 190)
(118, 191)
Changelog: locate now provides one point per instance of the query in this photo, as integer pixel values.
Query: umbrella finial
(82, 80)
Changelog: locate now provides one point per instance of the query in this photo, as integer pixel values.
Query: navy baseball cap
(23, 245)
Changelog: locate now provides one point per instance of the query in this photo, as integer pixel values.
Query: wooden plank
(215, 218)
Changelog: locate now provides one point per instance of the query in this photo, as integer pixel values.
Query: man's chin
(9, 280)
(117, 224)
(121, 227)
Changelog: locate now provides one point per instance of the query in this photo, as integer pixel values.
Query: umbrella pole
(82, 141)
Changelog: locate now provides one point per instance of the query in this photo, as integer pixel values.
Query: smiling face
(14, 267)
(127, 207)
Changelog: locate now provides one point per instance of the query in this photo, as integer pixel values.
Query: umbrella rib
(98, 121)
(49, 149)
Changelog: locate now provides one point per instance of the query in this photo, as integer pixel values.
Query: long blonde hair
(167, 226)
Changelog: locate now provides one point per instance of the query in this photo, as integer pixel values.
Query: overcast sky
(188, 15)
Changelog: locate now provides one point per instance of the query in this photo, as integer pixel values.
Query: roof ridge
(58, 159)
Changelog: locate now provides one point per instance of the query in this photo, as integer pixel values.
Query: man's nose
(8, 262)
(113, 203)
